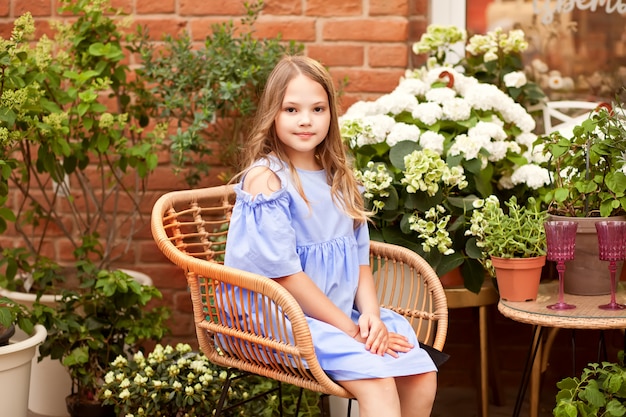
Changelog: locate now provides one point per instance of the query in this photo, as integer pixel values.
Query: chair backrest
(190, 228)
(563, 115)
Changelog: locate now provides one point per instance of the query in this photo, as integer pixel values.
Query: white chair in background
(563, 115)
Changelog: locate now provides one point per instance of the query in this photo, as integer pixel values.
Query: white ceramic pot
(15, 367)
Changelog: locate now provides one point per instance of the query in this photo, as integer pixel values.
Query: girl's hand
(373, 333)
(398, 343)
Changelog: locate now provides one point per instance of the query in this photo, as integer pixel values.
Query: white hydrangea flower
(532, 175)
(395, 103)
(433, 141)
(468, 146)
(515, 79)
(440, 95)
(428, 113)
(456, 109)
(489, 129)
(402, 131)
(413, 86)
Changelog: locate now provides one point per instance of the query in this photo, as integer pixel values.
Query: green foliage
(15, 313)
(109, 315)
(587, 169)
(516, 233)
(600, 391)
(75, 151)
(419, 202)
(489, 58)
(172, 381)
(211, 93)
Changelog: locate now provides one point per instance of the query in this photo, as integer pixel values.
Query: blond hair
(331, 152)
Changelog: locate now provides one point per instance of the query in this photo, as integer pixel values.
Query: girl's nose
(304, 119)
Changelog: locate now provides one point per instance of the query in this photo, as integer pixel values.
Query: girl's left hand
(373, 333)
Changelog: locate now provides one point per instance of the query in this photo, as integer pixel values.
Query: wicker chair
(190, 228)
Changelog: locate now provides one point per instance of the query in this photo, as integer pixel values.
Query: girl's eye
(290, 110)
(319, 109)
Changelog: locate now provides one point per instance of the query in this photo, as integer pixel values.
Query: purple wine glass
(561, 242)
(612, 248)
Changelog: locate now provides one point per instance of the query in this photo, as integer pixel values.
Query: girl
(299, 218)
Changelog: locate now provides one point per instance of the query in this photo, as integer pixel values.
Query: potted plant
(176, 381)
(16, 355)
(477, 130)
(588, 184)
(111, 314)
(76, 152)
(511, 240)
(599, 391)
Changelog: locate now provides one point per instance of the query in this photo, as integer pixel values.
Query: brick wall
(366, 41)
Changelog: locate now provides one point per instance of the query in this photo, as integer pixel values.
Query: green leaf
(399, 151)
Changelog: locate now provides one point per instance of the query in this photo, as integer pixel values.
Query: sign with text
(546, 9)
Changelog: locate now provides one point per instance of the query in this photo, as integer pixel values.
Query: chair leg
(223, 395)
(324, 405)
(349, 414)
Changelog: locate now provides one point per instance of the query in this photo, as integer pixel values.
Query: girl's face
(303, 121)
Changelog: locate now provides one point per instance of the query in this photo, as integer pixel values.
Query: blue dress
(279, 235)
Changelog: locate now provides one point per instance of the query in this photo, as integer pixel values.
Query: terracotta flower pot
(518, 278)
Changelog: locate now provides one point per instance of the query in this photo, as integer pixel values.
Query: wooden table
(586, 315)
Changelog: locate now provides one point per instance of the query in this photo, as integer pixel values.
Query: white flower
(539, 66)
(428, 113)
(532, 175)
(515, 79)
(395, 103)
(440, 95)
(433, 141)
(456, 109)
(413, 86)
(402, 131)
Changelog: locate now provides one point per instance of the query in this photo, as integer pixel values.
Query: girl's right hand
(398, 343)
(395, 343)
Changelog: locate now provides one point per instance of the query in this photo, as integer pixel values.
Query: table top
(586, 315)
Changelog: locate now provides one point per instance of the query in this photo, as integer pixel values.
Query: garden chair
(190, 228)
(563, 115)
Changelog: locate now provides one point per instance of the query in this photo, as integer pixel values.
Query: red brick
(389, 7)
(369, 81)
(158, 28)
(211, 7)
(181, 324)
(417, 27)
(340, 8)
(418, 8)
(35, 7)
(388, 55)
(298, 29)
(203, 28)
(182, 301)
(126, 6)
(337, 55)
(158, 6)
(371, 30)
(4, 7)
(283, 7)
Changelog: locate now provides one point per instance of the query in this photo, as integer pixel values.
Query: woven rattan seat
(190, 228)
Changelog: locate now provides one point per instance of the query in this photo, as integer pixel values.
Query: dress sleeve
(261, 238)
(362, 234)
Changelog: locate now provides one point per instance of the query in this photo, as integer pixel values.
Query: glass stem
(560, 267)
(612, 270)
